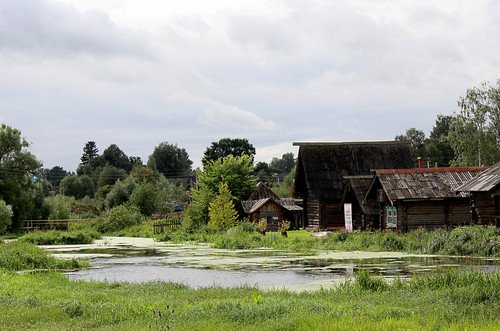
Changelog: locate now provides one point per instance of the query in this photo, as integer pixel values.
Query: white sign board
(348, 216)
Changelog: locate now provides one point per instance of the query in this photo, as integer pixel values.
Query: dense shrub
(144, 197)
(5, 216)
(59, 206)
(118, 195)
(221, 212)
(118, 218)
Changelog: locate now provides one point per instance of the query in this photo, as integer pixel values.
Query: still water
(202, 266)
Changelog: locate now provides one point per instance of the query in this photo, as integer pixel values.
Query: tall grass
(454, 300)
(15, 256)
(470, 240)
(54, 237)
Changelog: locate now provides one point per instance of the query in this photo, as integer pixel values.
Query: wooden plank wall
(332, 215)
(459, 213)
(425, 214)
(312, 213)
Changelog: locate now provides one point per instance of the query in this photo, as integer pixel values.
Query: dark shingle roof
(425, 183)
(320, 166)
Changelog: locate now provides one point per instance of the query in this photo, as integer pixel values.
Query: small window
(392, 216)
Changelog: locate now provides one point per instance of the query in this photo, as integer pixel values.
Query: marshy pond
(142, 259)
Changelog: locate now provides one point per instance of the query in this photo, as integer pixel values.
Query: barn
(322, 167)
(407, 199)
(484, 190)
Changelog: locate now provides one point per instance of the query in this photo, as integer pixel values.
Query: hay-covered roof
(321, 166)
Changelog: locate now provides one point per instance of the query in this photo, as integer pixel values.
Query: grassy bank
(55, 237)
(453, 300)
(16, 256)
(470, 240)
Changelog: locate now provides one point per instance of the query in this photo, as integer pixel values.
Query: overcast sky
(136, 73)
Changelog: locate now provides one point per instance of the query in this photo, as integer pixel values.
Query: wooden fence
(31, 225)
(168, 224)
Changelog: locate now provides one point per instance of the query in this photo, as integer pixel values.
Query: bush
(144, 197)
(59, 206)
(368, 283)
(118, 195)
(5, 216)
(221, 212)
(118, 218)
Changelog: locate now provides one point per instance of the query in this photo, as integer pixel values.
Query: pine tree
(221, 211)
(90, 151)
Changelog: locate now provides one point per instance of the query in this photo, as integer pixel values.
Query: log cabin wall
(459, 213)
(332, 215)
(272, 213)
(483, 206)
(312, 213)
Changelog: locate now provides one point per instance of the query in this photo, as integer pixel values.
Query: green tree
(221, 212)
(417, 140)
(170, 160)
(90, 152)
(226, 147)
(166, 192)
(118, 195)
(475, 130)
(17, 167)
(197, 213)
(55, 175)
(285, 188)
(438, 147)
(110, 174)
(235, 171)
(145, 197)
(115, 157)
(282, 165)
(77, 186)
(5, 216)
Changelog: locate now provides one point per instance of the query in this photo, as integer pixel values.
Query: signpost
(348, 216)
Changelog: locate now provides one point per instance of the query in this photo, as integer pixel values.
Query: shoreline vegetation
(478, 241)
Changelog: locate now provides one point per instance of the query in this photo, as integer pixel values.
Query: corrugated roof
(431, 183)
(484, 182)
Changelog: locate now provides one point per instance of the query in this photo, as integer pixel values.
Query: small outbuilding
(406, 199)
(363, 214)
(484, 190)
(263, 203)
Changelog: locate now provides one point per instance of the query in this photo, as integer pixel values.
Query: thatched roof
(484, 182)
(320, 166)
(424, 183)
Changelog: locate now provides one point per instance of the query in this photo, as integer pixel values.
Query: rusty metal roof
(484, 182)
(425, 183)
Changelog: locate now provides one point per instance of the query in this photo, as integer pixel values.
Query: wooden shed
(264, 203)
(407, 199)
(363, 214)
(321, 168)
(484, 190)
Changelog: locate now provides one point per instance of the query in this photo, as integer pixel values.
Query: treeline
(111, 179)
(470, 137)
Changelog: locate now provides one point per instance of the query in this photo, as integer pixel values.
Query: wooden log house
(484, 190)
(321, 168)
(407, 199)
(264, 203)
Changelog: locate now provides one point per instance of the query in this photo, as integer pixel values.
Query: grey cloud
(43, 27)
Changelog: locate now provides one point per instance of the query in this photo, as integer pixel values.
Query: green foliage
(17, 167)
(261, 226)
(417, 140)
(166, 196)
(282, 165)
(17, 255)
(226, 147)
(109, 175)
(145, 197)
(234, 171)
(284, 226)
(366, 282)
(54, 237)
(475, 131)
(221, 212)
(59, 206)
(77, 186)
(55, 175)
(90, 152)
(118, 195)
(115, 157)
(285, 188)
(197, 212)
(170, 160)
(5, 216)
(118, 218)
